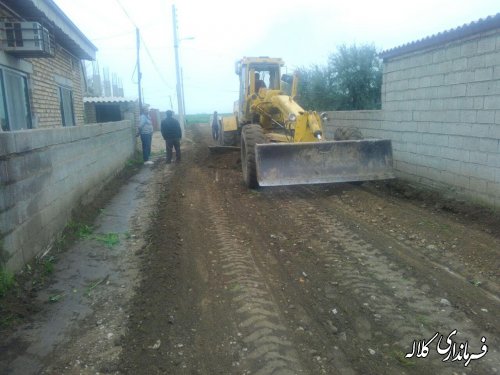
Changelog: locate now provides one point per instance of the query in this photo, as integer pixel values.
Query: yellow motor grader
(283, 144)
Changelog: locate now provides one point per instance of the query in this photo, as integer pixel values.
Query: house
(50, 166)
(41, 73)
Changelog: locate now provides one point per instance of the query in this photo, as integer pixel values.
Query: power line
(126, 13)
(112, 36)
(155, 65)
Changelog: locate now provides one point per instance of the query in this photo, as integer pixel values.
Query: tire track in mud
(380, 302)
(395, 304)
(264, 344)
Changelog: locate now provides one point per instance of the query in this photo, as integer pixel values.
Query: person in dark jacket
(215, 126)
(172, 134)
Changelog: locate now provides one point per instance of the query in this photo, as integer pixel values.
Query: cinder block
(461, 129)
(494, 130)
(486, 44)
(469, 48)
(478, 103)
(493, 161)
(7, 143)
(455, 141)
(479, 171)
(455, 154)
(453, 52)
(483, 74)
(467, 116)
(496, 72)
(488, 145)
(459, 90)
(23, 140)
(435, 139)
(462, 181)
(453, 166)
(486, 117)
(478, 157)
(459, 64)
(439, 56)
(492, 102)
(12, 245)
(478, 185)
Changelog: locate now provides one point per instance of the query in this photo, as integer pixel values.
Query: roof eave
(480, 26)
(66, 32)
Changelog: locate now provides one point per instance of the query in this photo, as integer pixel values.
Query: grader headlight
(292, 117)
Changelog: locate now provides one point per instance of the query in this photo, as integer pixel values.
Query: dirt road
(308, 280)
(208, 277)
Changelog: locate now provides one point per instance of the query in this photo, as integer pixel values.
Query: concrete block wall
(441, 109)
(47, 173)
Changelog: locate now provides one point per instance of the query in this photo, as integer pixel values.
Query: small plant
(421, 319)
(92, 286)
(79, 229)
(109, 239)
(56, 298)
(7, 320)
(475, 282)
(48, 265)
(6, 281)
(401, 358)
(134, 162)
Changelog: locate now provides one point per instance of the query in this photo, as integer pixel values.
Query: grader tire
(346, 134)
(251, 135)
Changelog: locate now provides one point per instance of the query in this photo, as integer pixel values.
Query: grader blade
(323, 162)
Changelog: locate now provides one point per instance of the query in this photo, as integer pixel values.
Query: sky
(215, 34)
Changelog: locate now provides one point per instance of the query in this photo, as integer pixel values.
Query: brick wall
(441, 109)
(46, 173)
(44, 88)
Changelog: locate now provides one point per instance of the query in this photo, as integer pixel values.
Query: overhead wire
(154, 63)
(126, 13)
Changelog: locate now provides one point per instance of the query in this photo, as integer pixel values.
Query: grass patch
(48, 265)
(108, 239)
(6, 281)
(400, 357)
(80, 230)
(422, 320)
(134, 162)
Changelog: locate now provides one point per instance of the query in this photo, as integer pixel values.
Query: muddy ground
(331, 279)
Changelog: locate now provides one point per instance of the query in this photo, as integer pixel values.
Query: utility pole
(178, 71)
(139, 74)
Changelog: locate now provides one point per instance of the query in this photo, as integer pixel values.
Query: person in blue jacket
(146, 133)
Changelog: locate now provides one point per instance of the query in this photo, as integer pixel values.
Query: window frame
(5, 97)
(63, 90)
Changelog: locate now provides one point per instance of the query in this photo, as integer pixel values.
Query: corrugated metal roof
(107, 99)
(476, 27)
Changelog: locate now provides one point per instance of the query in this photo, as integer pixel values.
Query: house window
(67, 111)
(14, 101)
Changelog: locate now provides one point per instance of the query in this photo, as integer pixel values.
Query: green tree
(358, 76)
(315, 89)
(351, 80)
